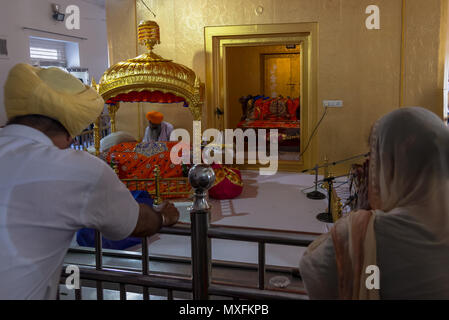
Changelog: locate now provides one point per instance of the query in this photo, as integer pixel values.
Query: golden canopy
(151, 78)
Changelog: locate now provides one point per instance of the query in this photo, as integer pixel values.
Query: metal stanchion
(316, 195)
(201, 178)
(327, 216)
(157, 180)
(99, 262)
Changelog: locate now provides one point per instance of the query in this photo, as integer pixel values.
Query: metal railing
(201, 178)
(87, 138)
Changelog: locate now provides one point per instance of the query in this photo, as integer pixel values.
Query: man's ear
(62, 141)
(69, 140)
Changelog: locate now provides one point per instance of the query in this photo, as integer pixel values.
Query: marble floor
(273, 202)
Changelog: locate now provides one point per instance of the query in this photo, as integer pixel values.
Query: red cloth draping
(146, 96)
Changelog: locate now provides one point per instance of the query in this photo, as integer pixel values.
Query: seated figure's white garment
(46, 195)
(111, 140)
(115, 138)
(166, 130)
(413, 264)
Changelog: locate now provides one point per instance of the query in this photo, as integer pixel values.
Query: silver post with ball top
(201, 178)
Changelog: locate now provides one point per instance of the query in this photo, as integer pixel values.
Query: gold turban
(155, 117)
(53, 93)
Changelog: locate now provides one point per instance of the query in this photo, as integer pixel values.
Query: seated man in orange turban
(157, 130)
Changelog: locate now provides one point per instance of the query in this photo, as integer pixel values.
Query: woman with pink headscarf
(406, 234)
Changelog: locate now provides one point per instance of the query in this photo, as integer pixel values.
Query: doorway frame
(218, 38)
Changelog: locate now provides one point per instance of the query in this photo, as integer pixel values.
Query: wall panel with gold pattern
(359, 66)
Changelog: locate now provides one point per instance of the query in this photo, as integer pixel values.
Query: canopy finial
(149, 34)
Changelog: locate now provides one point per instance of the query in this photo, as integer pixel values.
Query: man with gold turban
(157, 130)
(49, 191)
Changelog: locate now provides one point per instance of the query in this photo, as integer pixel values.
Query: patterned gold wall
(359, 66)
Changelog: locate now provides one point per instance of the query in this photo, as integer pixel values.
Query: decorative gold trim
(97, 136)
(336, 206)
(151, 72)
(146, 83)
(193, 97)
(144, 183)
(157, 198)
(135, 26)
(139, 120)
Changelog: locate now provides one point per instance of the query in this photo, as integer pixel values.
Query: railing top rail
(253, 293)
(265, 236)
(135, 278)
(248, 234)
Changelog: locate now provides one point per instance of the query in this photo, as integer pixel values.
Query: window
(48, 52)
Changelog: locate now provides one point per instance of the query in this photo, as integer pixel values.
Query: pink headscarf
(409, 167)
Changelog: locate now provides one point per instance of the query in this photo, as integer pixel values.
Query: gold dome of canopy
(150, 73)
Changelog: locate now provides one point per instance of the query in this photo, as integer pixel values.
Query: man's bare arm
(151, 221)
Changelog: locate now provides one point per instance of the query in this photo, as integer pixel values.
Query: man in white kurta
(47, 191)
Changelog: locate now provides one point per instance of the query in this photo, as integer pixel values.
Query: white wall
(16, 14)
(72, 54)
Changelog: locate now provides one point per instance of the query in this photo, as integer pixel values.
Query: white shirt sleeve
(111, 208)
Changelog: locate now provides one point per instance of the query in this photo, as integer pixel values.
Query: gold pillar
(157, 196)
(326, 168)
(97, 136)
(139, 120)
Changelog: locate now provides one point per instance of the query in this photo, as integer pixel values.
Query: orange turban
(155, 117)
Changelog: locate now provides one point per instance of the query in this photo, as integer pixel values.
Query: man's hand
(151, 219)
(169, 213)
